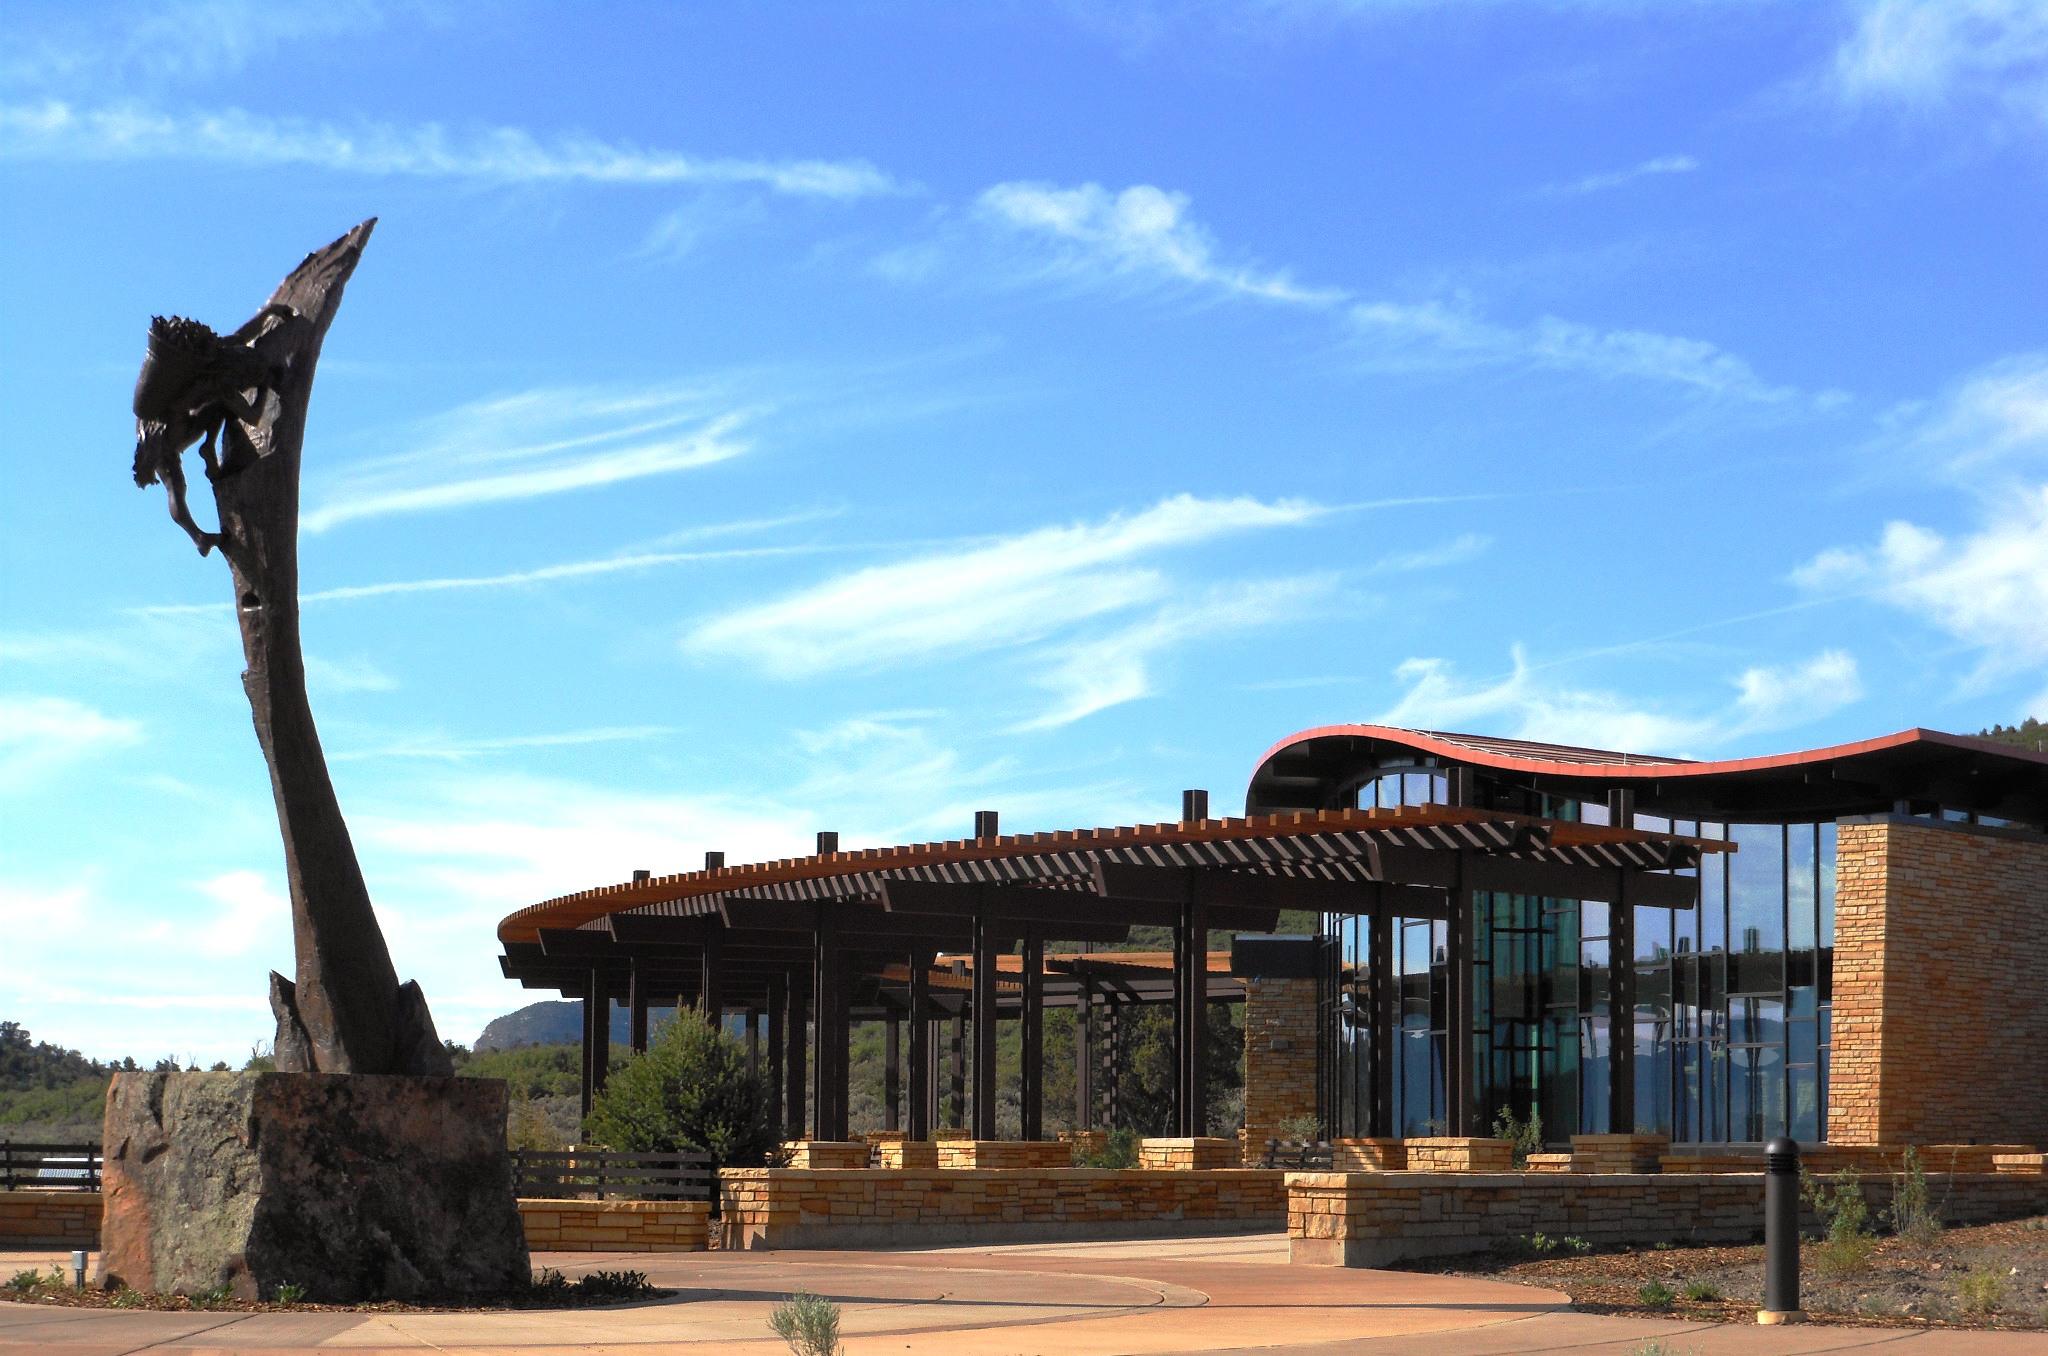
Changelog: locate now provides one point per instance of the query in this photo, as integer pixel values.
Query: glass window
(1825, 876)
(1802, 921)
(1756, 888)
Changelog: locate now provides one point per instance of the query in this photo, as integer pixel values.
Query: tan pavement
(1099, 1299)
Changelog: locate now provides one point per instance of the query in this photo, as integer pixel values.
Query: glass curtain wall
(1731, 1024)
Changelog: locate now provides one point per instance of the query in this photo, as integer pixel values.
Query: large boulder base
(353, 1186)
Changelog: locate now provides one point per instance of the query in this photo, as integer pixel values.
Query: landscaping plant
(1912, 1213)
(691, 1090)
(1840, 1204)
(1656, 1294)
(808, 1323)
(1526, 1137)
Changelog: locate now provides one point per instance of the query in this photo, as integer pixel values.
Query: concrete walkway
(1101, 1299)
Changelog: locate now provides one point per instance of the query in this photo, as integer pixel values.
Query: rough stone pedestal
(352, 1186)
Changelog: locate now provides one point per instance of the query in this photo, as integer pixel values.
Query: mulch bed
(1982, 1276)
(538, 1297)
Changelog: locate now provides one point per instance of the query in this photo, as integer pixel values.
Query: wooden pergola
(957, 932)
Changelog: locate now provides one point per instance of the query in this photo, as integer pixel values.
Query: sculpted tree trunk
(346, 1012)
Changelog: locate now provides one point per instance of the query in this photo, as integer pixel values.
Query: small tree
(691, 1090)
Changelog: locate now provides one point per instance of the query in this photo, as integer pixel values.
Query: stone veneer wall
(1941, 964)
(1456, 1153)
(71, 1219)
(1372, 1219)
(787, 1208)
(1184, 1155)
(50, 1219)
(615, 1226)
(1279, 1058)
(1005, 1153)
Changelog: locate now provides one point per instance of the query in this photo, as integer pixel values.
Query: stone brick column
(1941, 965)
(1279, 1058)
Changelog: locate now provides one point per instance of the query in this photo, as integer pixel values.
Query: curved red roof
(1306, 769)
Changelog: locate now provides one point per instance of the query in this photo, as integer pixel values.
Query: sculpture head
(159, 442)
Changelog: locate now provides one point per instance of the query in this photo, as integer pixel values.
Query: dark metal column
(984, 1026)
(1383, 1001)
(1196, 986)
(753, 1030)
(793, 1059)
(827, 1001)
(1180, 1025)
(1621, 1010)
(636, 1007)
(1032, 1116)
(892, 1072)
(956, 1055)
(921, 1100)
(1458, 1099)
(1084, 1056)
(599, 1041)
(778, 995)
(588, 1083)
(709, 976)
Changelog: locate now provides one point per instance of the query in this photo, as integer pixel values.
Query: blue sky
(750, 420)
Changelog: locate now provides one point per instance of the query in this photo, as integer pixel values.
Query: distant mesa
(550, 1023)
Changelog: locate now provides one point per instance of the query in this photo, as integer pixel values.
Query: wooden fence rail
(601, 1173)
(53, 1167)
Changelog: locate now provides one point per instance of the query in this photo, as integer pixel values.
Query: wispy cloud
(335, 677)
(985, 596)
(1434, 333)
(1523, 705)
(1926, 55)
(1986, 585)
(1138, 234)
(39, 735)
(1461, 548)
(59, 130)
(1598, 183)
(184, 39)
(1103, 671)
(533, 444)
(456, 749)
(541, 574)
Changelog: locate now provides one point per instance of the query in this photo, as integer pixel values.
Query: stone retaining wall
(1373, 1219)
(1455, 1153)
(1184, 1155)
(789, 1208)
(1004, 1153)
(615, 1226)
(49, 1219)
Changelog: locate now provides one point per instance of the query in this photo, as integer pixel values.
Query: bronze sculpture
(345, 1011)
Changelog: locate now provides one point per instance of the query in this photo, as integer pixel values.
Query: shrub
(25, 1280)
(1573, 1243)
(1840, 1204)
(1912, 1214)
(125, 1298)
(1540, 1244)
(213, 1297)
(808, 1323)
(1526, 1137)
(291, 1292)
(1702, 1292)
(1981, 1292)
(527, 1127)
(1119, 1150)
(691, 1090)
(1656, 1294)
(1301, 1129)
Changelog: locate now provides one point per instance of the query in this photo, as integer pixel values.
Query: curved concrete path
(1102, 1299)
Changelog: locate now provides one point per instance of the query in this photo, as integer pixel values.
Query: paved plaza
(1106, 1299)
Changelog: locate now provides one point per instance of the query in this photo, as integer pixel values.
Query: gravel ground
(1984, 1276)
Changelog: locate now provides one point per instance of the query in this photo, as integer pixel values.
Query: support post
(984, 1026)
(1621, 1010)
(586, 1085)
(1032, 1114)
(1458, 1108)
(921, 1100)
(778, 995)
(956, 1054)
(1084, 1055)
(599, 1006)
(892, 1072)
(709, 975)
(826, 996)
(1384, 1012)
(793, 1060)
(636, 1007)
(1180, 1026)
(753, 1030)
(1195, 986)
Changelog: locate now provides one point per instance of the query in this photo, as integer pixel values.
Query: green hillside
(2028, 734)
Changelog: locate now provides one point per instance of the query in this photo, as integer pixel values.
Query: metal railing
(602, 1173)
(49, 1167)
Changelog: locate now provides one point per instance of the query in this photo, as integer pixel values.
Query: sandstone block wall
(1941, 961)
(1000, 1153)
(1373, 1219)
(907, 1153)
(787, 1208)
(615, 1226)
(1624, 1153)
(1279, 1058)
(826, 1153)
(1455, 1153)
(1368, 1154)
(1185, 1155)
(49, 1219)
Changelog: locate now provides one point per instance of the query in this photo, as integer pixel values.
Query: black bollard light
(1781, 1233)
